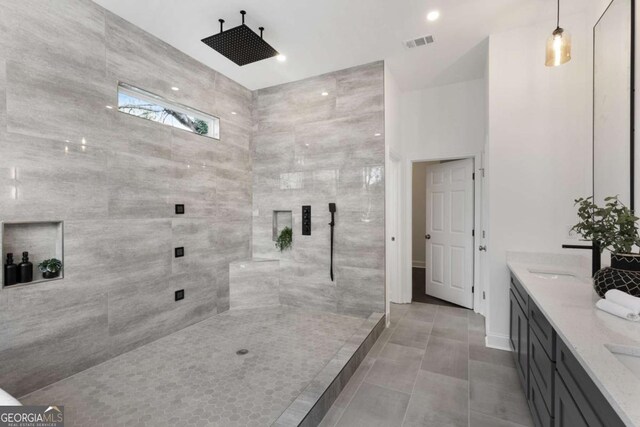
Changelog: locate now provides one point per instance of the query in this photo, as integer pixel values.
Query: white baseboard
(497, 341)
(419, 264)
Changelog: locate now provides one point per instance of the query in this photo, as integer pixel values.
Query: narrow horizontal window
(140, 103)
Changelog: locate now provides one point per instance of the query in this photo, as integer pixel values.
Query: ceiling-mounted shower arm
(242, 12)
(261, 31)
(221, 21)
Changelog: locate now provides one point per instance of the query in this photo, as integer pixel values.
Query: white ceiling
(320, 36)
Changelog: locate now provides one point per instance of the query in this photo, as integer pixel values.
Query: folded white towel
(617, 310)
(7, 400)
(624, 299)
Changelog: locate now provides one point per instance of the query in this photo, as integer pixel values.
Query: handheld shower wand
(332, 224)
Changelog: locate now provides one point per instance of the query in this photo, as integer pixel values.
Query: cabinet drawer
(521, 295)
(567, 413)
(542, 368)
(594, 408)
(539, 412)
(543, 329)
(519, 339)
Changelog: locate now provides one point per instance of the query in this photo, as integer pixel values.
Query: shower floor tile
(194, 378)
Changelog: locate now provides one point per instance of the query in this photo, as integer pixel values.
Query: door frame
(405, 291)
(393, 262)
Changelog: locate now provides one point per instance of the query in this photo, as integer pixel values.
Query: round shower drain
(242, 352)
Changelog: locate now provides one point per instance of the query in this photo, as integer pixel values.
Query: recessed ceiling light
(174, 88)
(281, 58)
(325, 94)
(433, 15)
(234, 113)
(109, 107)
(377, 134)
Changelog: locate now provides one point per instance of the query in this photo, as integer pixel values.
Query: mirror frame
(631, 106)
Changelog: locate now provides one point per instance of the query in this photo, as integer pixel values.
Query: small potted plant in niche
(50, 268)
(614, 227)
(283, 241)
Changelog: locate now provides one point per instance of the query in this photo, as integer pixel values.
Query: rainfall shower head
(240, 44)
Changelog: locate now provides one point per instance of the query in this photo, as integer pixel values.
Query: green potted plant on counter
(50, 268)
(614, 227)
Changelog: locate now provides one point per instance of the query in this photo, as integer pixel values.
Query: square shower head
(241, 45)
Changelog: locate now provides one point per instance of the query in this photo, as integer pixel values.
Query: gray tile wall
(310, 149)
(60, 62)
(254, 284)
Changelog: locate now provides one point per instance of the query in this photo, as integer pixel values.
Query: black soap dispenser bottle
(25, 269)
(10, 271)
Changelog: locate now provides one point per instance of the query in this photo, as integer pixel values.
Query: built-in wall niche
(43, 240)
(281, 220)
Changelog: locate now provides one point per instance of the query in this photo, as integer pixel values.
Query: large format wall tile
(114, 180)
(67, 38)
(145, 310)
(44, 346)
(3, 95)
(138, 186)
(51, 104)
(138, 58)
(254, 283)
(310, 149)
(63, 180)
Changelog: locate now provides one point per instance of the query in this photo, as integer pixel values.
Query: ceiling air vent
(420, 41)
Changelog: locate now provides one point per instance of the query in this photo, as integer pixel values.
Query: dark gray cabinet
(559, 391)
(593, 406)
(567, 413)
(519, 338)
(541, 415)
(542, 370)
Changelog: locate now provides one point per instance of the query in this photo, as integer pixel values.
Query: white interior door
(449, 239)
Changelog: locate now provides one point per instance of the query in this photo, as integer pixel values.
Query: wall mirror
(613, 103)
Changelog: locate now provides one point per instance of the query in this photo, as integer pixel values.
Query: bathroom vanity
(578, 366)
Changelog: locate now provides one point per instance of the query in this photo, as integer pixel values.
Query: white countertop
(569, 305)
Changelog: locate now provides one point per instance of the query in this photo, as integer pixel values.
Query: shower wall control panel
(306, 220)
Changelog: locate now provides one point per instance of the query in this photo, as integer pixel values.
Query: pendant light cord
(558, 21)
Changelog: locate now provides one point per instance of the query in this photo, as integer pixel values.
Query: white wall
(437, 123)
(539, 157)
(443, 122)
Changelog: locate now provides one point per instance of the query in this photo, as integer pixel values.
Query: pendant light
(558, 46)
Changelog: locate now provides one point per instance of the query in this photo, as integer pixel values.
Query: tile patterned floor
(194, 378)
(431, 368)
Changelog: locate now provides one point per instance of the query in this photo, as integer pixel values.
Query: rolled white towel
(617, 310)
(624, 299)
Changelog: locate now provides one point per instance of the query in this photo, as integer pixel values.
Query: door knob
(483, 248)
(428, 236)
